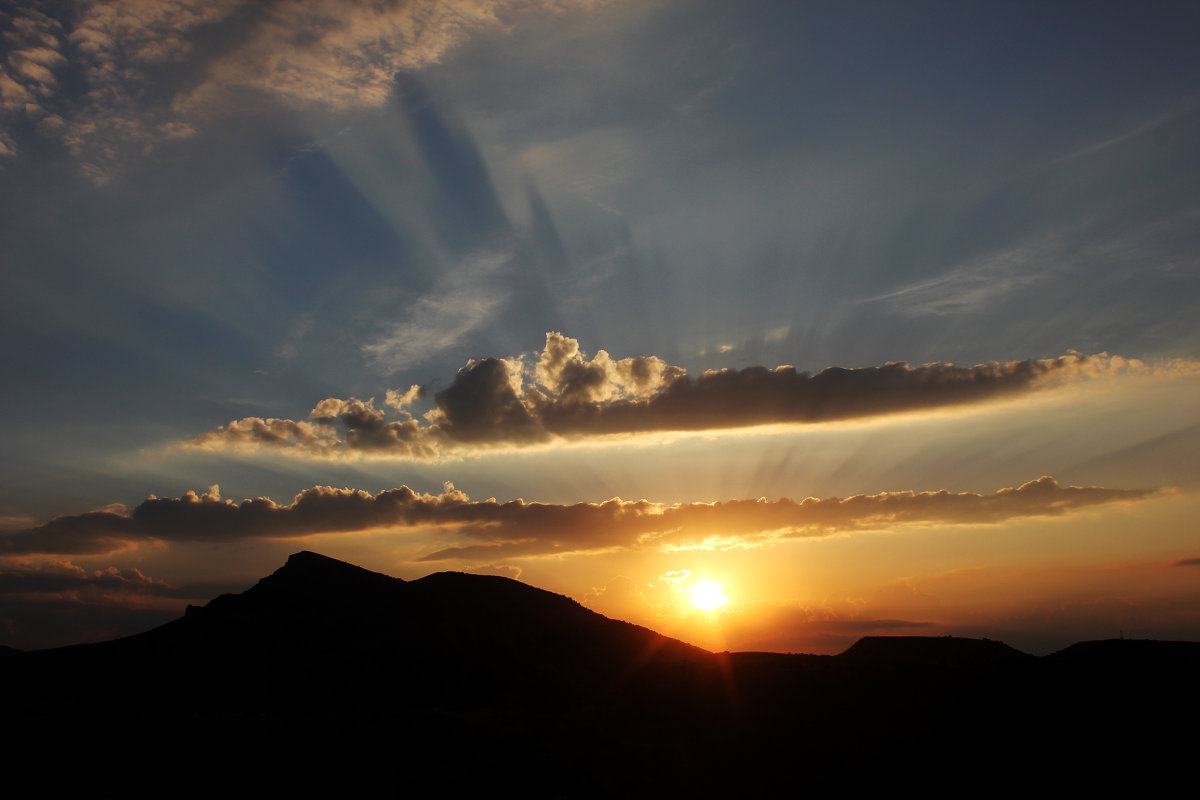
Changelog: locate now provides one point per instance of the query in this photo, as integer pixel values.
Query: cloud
(402, 400)
(32, 44)
(1037, 267)
(977, 284)
(1148, 126)
(462, 301)
(63, 578)
(339, 53)
(160, 69)
(1188, 562)
(125, 49)
(535, 529)
(562, 394)
(503, 570)
(487, 530)
(366, 429)
(252, 432)
(58, 603)
(207, 518)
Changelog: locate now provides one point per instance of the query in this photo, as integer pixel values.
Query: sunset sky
(767, 325)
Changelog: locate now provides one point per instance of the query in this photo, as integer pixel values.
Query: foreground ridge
(441, 684)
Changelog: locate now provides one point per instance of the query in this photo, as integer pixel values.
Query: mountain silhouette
(932, 651)
(334, 633)
(326, 678)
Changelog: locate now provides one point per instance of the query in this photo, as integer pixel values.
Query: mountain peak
(309, 566)
(310, 556)
(310, 577)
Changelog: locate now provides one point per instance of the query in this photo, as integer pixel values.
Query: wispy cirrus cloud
(563, 394)
(489, 529)
(463, 300)
(1149, 125)
(1043, 264)
(977, 283)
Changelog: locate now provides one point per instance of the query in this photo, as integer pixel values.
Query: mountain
(325, 678)
(335, 634)
(932, 652)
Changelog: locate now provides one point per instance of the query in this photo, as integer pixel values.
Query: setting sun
(707, 595)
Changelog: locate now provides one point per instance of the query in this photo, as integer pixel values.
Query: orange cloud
(535, 529)
(489, 529)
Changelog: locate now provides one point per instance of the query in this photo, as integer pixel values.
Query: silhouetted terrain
(325, 678)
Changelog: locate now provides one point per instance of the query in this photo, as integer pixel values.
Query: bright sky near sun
(766, 325)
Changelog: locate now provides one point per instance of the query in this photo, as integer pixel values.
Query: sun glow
(707, 595)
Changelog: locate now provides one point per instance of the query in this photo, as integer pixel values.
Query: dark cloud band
(63, 578)
(492, 529)
(563, 394)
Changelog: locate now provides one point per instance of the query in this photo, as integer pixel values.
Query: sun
(707, 595)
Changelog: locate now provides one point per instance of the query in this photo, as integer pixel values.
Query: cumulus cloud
(402, 400)
(366, 428)
(562, 394)
(486, 530)
(331, 54)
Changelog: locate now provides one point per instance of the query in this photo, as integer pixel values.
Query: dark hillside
(325, 678)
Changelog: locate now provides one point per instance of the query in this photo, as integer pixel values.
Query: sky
(765, 325)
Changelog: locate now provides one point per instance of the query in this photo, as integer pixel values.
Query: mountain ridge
(307, 577)
(393, 685)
